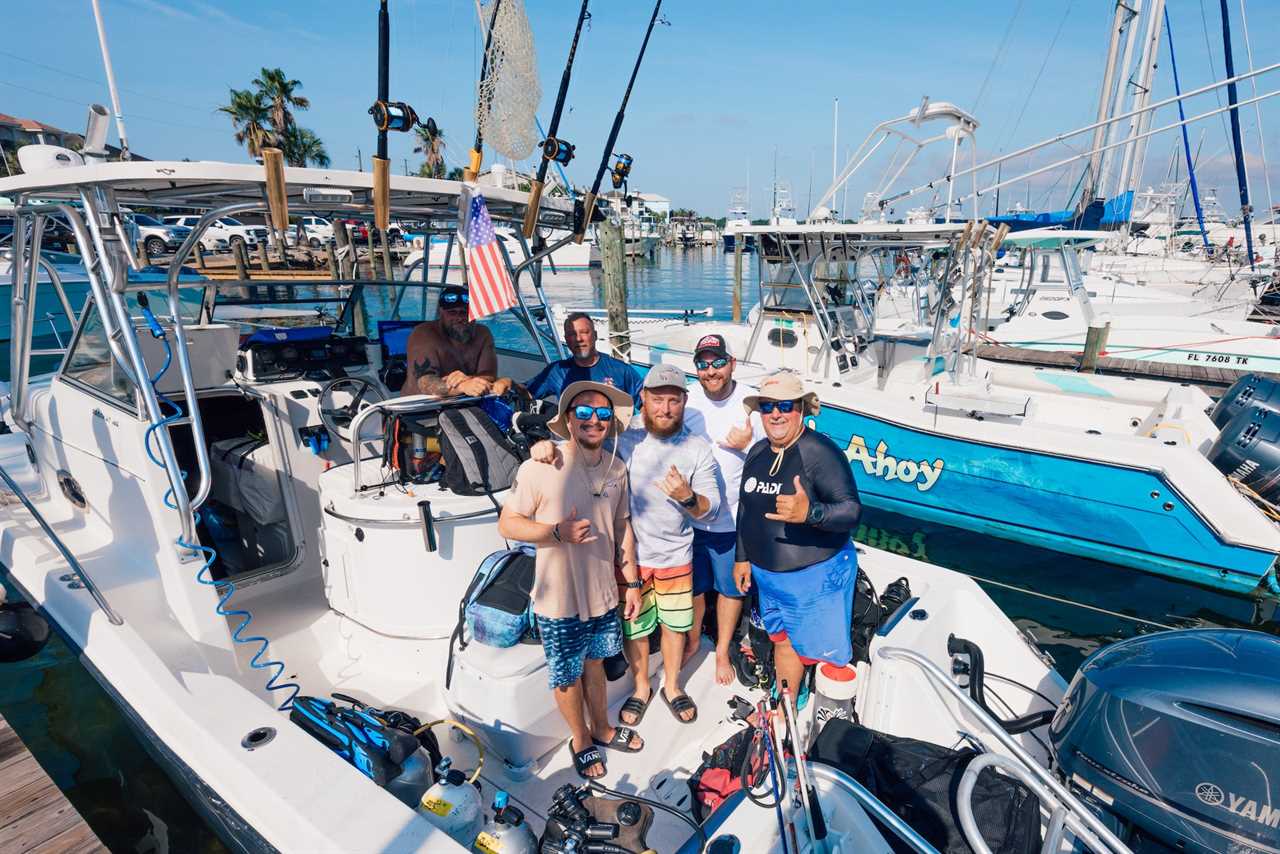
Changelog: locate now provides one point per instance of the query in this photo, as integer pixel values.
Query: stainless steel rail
(76, 568)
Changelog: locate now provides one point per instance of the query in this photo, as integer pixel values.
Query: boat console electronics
(315, 353)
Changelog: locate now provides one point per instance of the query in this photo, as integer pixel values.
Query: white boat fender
(453, 804)
(506, 832)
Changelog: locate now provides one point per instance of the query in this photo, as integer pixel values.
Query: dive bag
(375, 741)
(478, 457)
(740, 762)
(496, 609)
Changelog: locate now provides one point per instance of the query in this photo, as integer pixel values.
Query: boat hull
(1127, 516)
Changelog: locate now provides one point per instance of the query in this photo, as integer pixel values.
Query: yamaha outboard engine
(1249, 390)
(1248, 449)
(1177, 736)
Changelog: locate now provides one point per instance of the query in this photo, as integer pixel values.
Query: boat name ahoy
(923, 474)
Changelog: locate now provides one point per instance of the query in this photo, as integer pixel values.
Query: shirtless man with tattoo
(452, 355)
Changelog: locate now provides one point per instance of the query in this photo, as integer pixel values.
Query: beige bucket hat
(783, 385)
(623, 406)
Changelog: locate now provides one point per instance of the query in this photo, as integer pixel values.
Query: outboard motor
(1249, 390)
(1176, 735)
(1248, 449)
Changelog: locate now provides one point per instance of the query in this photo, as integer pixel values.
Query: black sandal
(584, 759)
(635, 706)
(621, 740)
(681, 704)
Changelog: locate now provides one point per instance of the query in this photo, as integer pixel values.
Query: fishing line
(1060, 599)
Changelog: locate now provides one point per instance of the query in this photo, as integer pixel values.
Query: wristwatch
(690, 502)
(817, 513)
(635, 585)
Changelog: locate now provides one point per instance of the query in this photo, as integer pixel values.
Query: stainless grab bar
(873, 805)
(1046, 781)
(112, 616)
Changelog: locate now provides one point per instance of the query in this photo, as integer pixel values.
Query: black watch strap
(690, 502)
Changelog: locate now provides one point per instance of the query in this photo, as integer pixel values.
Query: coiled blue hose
(204, 575)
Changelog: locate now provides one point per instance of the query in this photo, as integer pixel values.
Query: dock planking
(35, 817)
(1213, 380)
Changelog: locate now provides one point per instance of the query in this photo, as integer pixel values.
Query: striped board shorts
(666, 598)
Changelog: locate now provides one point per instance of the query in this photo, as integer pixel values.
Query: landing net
(509, 94)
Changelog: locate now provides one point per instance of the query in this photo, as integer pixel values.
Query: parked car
(155, 236)
(226, 228)
(58, 236)
(316, 231)
(210, 241)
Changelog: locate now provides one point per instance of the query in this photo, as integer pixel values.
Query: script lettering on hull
(922, 473)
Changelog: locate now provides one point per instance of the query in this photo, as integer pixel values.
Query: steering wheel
(337, 418)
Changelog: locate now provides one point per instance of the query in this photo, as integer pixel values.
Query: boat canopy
(1054, 238)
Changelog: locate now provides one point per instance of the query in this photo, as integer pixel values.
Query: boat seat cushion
(504, 663)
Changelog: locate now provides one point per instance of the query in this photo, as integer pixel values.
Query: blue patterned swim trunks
(568, 642)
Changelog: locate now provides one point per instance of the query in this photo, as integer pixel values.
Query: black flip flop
(584, 759)
(682, 703)
(621, 740)
(637, 707)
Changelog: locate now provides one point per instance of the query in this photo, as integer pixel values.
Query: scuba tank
(413, 780)
(453, 805)
(507, 832)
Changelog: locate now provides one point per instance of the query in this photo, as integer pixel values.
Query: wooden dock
(1213, 380)
(35, 817)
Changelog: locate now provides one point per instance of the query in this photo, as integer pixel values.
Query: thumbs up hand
(575, 530)
(739, 436)
(675, 485)
(791, 508)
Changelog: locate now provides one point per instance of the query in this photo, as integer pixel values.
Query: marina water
(1070, 606)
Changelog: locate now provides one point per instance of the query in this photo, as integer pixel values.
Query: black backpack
(478, 457)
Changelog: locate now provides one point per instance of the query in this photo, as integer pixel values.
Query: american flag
(487, 277)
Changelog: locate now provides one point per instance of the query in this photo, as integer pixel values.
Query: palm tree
(277, 90)
(249, 114)
(302, 146)
(430, 143)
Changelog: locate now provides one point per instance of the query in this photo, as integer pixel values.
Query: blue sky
(722, 88)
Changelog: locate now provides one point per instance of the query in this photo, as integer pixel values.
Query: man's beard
(662, 432)
(590, 444)
(462, 333)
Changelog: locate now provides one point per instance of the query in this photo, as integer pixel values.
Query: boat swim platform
(35, 816)
(1214, 380)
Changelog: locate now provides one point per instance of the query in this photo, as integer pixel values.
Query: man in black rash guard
(797, 508)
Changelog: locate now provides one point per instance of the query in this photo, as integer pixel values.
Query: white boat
(738, 218)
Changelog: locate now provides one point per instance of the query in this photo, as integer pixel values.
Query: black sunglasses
(717, 363)
(584, 412)
(454, 298)
(786, 407)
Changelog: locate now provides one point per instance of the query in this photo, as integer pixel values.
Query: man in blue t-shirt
(586, 363)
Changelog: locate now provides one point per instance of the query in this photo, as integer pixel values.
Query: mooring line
(1071, 602)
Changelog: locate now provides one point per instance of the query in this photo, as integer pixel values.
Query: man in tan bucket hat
(577, 513)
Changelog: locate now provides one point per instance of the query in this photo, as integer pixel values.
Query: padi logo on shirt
(923, 473)
(760, 486)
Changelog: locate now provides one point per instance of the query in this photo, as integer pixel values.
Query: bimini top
(902, 232)
(206, 185)
(1052, 238)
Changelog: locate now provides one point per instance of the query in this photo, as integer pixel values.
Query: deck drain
(258, 737)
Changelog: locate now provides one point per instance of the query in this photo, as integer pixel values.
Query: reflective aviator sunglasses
(786, 407)
(584, 412)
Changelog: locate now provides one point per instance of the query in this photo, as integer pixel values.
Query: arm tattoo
(421, 369)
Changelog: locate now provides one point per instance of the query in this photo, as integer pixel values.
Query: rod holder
(472, 171)
(588, 210)
(531, 212)
(428, 525)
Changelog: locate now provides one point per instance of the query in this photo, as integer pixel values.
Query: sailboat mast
(1118, 22)
(111, 81)
(1136, 151)
(1246, 213)
(1113, 134)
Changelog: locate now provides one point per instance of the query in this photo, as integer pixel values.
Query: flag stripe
(489, 281)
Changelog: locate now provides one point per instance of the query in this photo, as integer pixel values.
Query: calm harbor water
(1070, 605)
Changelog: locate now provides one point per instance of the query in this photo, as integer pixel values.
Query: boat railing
(1066, 811)
(76, 569)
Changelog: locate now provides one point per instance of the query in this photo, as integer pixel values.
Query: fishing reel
(557, 150)
(397, 116)
(621, 169)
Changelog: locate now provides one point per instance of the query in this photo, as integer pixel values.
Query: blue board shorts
(568, 642)
(813, 606)
(713, 553)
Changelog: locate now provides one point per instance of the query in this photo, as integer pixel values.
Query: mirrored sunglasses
(717, 363)
(786, 407)
(454, 298)
(584, 412)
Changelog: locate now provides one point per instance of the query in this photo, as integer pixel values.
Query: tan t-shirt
(575, 579)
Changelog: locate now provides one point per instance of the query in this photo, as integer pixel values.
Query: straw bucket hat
(621, 402)
(783, 385)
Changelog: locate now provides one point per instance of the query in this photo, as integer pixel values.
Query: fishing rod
(624, 162)
(387, 115)
(554, 149)
(477, 150)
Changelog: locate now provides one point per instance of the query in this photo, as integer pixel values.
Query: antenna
(111, 81)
